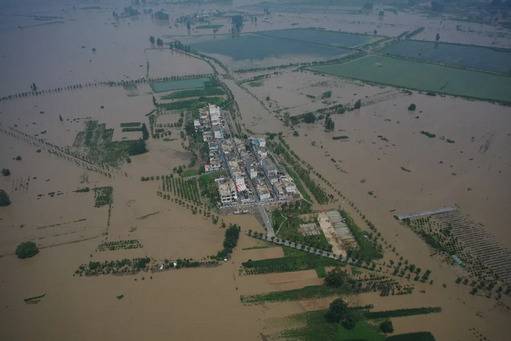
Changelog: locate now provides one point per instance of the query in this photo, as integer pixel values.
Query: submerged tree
(329, 124)
(386, 326)
(4, 198)
(26, 250)
(236, 24)
(309, 117)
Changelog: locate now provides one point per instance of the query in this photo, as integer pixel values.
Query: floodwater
(65, 42)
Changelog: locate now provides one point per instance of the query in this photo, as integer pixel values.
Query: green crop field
(464, 56)
(323, 37)
(315, 327)
(182, 84)
(421, 76)
(258, 47)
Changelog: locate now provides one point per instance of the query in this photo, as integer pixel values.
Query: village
(253, 176)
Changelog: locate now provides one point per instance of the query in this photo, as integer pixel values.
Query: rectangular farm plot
(464, 56)
(323, 37)
(259, 47)
(422, 76)
(181, 84)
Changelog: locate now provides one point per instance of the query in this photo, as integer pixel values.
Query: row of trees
(157, 41)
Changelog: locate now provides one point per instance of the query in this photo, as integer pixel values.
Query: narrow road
(263, 215)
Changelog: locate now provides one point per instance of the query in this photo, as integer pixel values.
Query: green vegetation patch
(96, 139)
(312, 291)
(428, 134)
(424, 77)
(286, 221)
(288, 264)
(208, 187)
(34, 299)
(367, 250)
(418, 336)
(318, 329)
(231, 237)
(179, 84)
(130, 124)
(4, 198)
(185, 188)
(208, 91)
(119, 245)
(482, 58)
(189, 172)
(26, 250)
(401, 312)
(103, 196)
(193, 104)
(125, 265)
(298, 182)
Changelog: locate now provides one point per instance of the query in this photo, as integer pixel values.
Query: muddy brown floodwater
(385, 165)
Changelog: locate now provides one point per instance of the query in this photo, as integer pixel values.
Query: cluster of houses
(249, 174)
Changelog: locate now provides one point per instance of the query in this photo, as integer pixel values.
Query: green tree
(26, 250)
(6, 172)
(336, 278)
(349, 322)
(326, 94)
(145, 132)
(4, 198)
(236, 24)
(337, 311)
(309, 117)
(329, 124)
(412, 107)
(358, 104)
(386, 326)
(152, 40)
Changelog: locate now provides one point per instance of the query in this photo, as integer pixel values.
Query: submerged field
(252, 46)
(269, 48)
(465, 56)
(421, 76)
(324, 37)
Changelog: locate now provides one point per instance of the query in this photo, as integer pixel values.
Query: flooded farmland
(255, 170)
